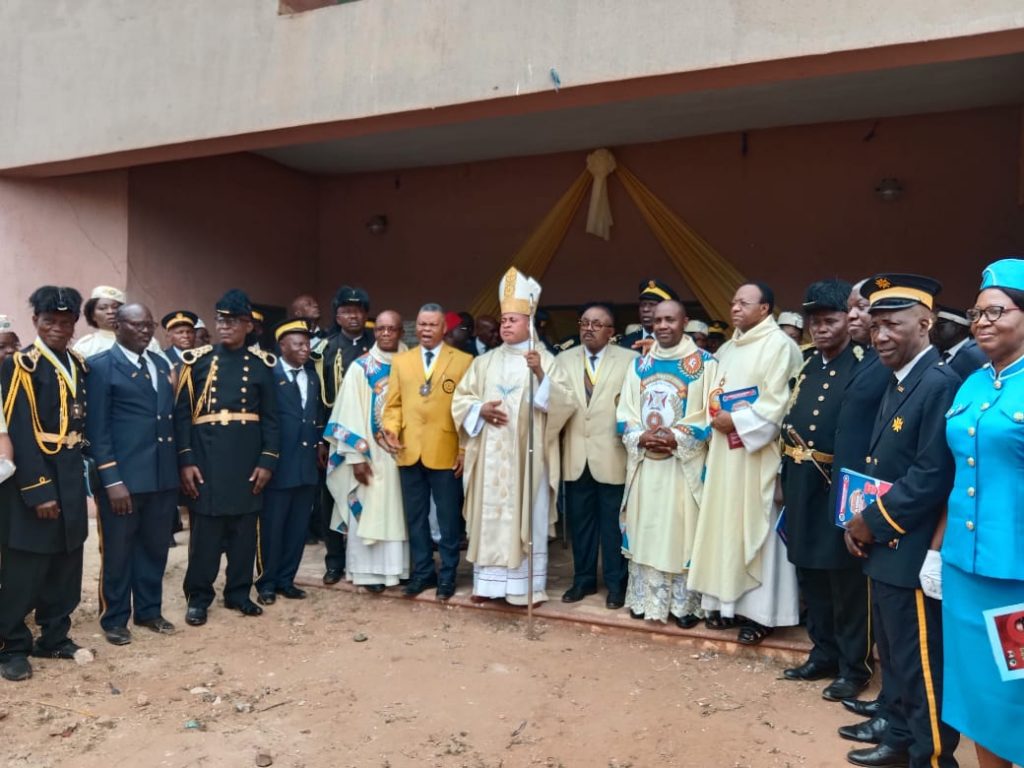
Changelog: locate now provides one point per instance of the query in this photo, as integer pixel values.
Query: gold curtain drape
(533, 257)
(712, 279)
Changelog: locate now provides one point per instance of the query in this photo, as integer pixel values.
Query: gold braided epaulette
(268, 359)
(27, 361)
(80, 358)
(318, 349)
(190, 356)
(567, 344)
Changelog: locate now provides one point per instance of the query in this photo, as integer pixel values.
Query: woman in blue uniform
(983, 548)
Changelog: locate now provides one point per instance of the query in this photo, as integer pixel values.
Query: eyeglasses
(991, 314)
(592, 324)
(388, 329)
(228, 321)
(140, 326)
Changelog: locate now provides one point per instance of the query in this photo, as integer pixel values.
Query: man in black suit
(226, 430)
(288, 499)
(652, 293)
(351, 339)
(130, 428)
(833, 584)
(180, 328)
(952, 336)
(43, 518)
(893, 534)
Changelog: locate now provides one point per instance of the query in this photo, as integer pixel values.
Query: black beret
(52, 298)
(349, 295)
(827, 296)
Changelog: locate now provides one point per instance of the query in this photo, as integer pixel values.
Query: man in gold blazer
(586, 382)
(417, 427)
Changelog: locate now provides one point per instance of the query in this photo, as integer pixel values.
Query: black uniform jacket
(813, 538)
(225, 422)
(130, 426)
(334, 358)
(908, 448)
(46, 470)
(968, 359)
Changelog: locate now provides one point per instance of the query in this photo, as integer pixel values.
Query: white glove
(931, 574)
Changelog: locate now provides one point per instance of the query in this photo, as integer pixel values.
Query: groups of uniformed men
(706, 474)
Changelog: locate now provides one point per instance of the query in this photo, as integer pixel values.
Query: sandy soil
(352, 680)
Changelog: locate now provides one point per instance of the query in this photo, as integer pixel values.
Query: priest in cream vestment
(362, 476)
(492, 407)
(663, 413)
(739, 562)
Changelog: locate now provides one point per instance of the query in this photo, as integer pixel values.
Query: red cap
(451, 321)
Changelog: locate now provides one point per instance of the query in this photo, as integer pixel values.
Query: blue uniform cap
(1005, 273)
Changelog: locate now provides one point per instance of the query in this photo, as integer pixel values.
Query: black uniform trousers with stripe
(908, 631)
(837, 619)
(49, 584)
(210, 536)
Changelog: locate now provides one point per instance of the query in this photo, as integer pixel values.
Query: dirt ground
(351, 680)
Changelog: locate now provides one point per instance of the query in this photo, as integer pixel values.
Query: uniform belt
(799, 455)
(225, 417)
(70, 440)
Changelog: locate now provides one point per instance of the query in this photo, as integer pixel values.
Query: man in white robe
(362, 476)
(739, 562)
(492, 407)
(663, 413)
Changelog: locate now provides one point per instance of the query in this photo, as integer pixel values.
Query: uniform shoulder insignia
(858, 352)
(189, 356)
(615, 339)
(80, 358)
(268, 359)
(27, 361)
(567, 344)
(318, 349)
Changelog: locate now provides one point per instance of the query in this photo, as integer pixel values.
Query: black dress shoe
(266, 598)
(868, 732)
(332, 576)
(810, 670)
(843, 688)
(375, 589)
(634, 615)
(689, 621)
(118, 635)
(66, 650)
(246, 608)
(879, 757)
(195, 616)
(415, 586)
(15, 668)
(160, 625)
(863, 708)
(576, 593)
(445, 591)
(615, 601)
(292, 593)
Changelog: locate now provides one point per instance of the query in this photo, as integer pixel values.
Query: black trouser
(592, 511)
(908, 630)
(284, 522)
(50, 585)
(418, 483)
(334, 560)
(209, 537)
(133, 552)
(838, 608)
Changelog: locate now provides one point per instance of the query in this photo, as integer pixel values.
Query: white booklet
(6, 469)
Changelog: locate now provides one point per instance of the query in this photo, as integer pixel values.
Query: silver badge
(425, 389)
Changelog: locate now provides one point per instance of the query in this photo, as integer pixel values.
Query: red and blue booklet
(857, 492)
(737, 400)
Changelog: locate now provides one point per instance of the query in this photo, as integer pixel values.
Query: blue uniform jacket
(985, 431)
(908, 448)
(130, 428)
(301, 430)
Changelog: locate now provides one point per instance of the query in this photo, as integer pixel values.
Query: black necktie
(588, 384)
(890, 398)
(429, 356)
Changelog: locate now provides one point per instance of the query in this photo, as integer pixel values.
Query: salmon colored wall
(798, 207)
(65, 231)
(197, 228)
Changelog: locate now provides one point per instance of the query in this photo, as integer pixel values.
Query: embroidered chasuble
(372, 515)
(666, 388)
(495, 473)
(736, 510)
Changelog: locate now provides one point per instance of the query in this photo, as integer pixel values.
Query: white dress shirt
(134, 360)
(300, 377)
